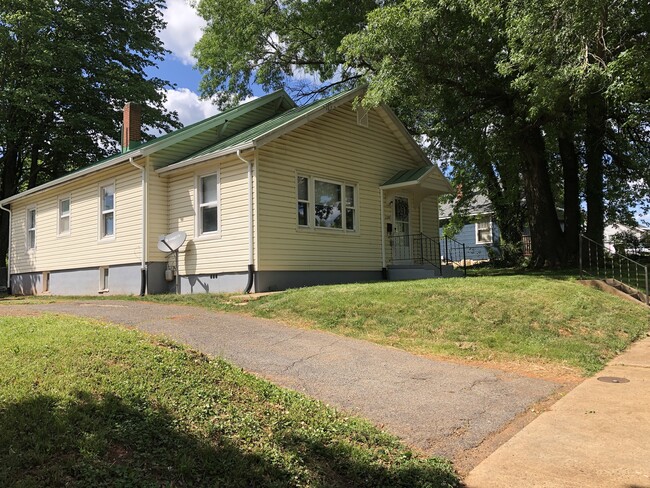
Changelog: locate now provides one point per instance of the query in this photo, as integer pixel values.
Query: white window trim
(60, 216)
(312, 205)
(198, 223)
(484, 243)
(28, 229)
(308, 202)
(100, 226)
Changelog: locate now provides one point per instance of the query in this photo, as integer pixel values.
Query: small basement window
(46, 282)
(103, 279)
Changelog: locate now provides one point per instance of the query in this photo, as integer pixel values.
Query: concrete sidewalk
(598, 435)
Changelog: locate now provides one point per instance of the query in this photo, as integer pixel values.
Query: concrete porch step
(400, 272)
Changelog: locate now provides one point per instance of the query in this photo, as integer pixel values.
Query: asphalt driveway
(441, 408)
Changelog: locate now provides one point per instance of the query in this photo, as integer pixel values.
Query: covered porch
(411, 245)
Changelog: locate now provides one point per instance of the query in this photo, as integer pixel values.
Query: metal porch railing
(622, 272)
(420, 249)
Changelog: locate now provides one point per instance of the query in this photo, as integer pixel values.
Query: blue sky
(182, 32)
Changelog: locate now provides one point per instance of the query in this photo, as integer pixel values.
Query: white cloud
(184, 29)
(189, 106)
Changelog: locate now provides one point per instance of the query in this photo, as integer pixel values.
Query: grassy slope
(530, 317)
(83, 404)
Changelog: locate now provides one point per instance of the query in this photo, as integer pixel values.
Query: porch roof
(424, 178)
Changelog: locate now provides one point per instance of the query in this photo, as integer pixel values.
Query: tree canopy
(544, 101)
(67, 67)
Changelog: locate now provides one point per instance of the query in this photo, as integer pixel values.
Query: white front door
(401, 231)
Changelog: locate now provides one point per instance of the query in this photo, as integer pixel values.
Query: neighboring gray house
(480, 234)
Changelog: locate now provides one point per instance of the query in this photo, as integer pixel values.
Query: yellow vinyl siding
(158, 213)
(331, 147)
(430, 217)
(228, 252)
(82, 247)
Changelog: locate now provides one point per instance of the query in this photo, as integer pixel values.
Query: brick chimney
(131, 126)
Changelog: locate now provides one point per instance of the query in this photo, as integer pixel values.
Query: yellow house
(270, 196)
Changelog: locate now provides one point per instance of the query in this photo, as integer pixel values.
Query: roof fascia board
(277, 97)
(411, 142)
(72, 176)
(205, 157)
(399, 185)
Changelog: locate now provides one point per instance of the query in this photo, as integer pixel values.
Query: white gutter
(143, 269)
(73, 176)
(383, 230)
(8, 250)
(251, 263)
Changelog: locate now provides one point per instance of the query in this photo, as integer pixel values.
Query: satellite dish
(172, 242)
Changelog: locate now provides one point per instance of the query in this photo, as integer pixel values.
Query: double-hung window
(208, 211)
(64, 216)
(107, 197)
(484, 231)
(326, 204)
(31, 229)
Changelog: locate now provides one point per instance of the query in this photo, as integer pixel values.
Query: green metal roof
(253, 133)
(408, 175)
(284, 102)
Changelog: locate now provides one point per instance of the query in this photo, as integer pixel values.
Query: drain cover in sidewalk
(613, 379)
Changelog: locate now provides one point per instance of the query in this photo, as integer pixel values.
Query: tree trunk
(571, 176)
(545, 232)
(9, 186)
(594, 155)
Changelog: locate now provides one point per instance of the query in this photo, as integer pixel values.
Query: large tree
(66, 69)
(542, 101)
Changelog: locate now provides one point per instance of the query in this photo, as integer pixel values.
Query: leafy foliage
(66, 69)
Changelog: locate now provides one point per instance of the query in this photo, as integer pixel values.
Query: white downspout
(8, 251)
(143, 268)
(383, 232)
(251, 262)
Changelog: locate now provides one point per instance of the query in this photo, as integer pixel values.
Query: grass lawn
(85, 404)
(534, 318)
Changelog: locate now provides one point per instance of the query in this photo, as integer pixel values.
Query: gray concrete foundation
(211, 283)
(122, 279)
(281, 280)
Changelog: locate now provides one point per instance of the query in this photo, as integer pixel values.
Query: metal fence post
(446, 250)
(580, 254)
(464, 261)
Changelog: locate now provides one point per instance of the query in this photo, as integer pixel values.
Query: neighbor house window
(208, 212)
(107, 196)
(31, 228)
(326, 204)
(64, 216)
(484, 231)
